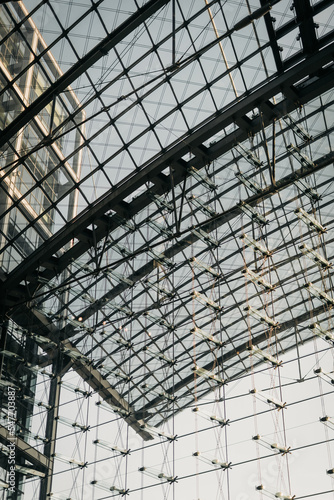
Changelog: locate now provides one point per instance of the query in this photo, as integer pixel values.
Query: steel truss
(145, 287)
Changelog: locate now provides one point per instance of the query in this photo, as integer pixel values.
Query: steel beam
(89, 374)
(99, 51)
(95, 212)
(29, 453)
(208, 226)
(100, 385)
(93, 376)
(51, 430)
(213, 223)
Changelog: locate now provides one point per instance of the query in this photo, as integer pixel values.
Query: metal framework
(194, 145)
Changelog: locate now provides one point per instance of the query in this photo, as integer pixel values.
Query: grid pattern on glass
(197, 153)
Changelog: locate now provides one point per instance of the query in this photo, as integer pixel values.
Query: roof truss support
(44, 256)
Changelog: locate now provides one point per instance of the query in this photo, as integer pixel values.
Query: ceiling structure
(202, 243)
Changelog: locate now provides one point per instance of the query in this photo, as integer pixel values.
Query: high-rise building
(166, 249)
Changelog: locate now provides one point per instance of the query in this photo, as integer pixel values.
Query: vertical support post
(177, 222)
(301, 378)
(54, 399)
(173, 31)
(3, 337)
(52, 113)
(273, 180)
(51, 430)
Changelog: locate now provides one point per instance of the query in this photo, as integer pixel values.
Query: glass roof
(167, 190)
